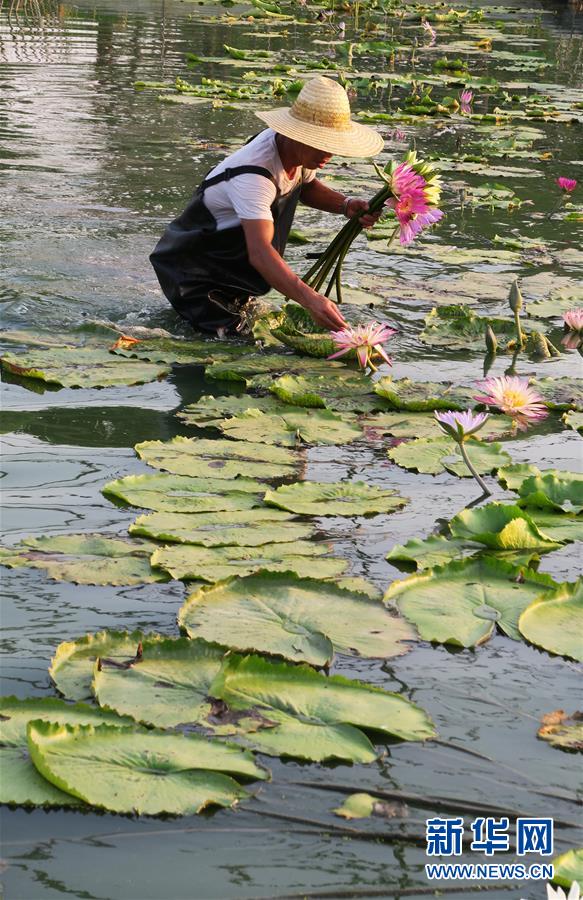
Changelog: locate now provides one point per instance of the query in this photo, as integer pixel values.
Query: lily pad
(311, 426)
(317, 717)
(209, 412)
(501, 526)
(345, 391)
(174, 351)
(561, 527)
(460, 328)
(435, 550)
(424, 395)
(547, 491)
(460, 603)
(554, 621)
(85, 559)
(560, 393)
(421, 425)
(349, 498)
(356, 806)
(553, 307)
(21, 783)
(71, 667)
(81, 367)
(216, 563)
(181, 493)
(249, 528)
(434, 455)
(574, 420)
(298, 618)
(244, 369)
(219, 459)
(295, 328)
(165, 684)
(129, 770)
(568, 868)
(562, 731)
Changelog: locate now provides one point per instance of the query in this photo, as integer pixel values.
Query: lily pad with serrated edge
(85, 559)
(316, 717)
(561, 527)
(562, 731)
(350, 498)
(174, 351)
(165, 685)
(345, 391)
(560, 393)
(459, 327)
(181, 493)
(421, 396)
(553, 307)
(547, 491)
(82, 367)
(435, 550)
(425, 425)
(297, 618)
(460, 603)
(501, 526)
(211, 564)
(244, 369)
(210, 411)
(247, 528)
(574, 420)
(291, 428)
(71, 667)
(21, 783)
(432, 456)
(219, 459)
(554, 621)
(131, 770)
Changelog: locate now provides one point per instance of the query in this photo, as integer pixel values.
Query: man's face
(311, 158)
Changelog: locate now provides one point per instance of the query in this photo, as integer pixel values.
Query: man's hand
(361, 206)
(324, 312)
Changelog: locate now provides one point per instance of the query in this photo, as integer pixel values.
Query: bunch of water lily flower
(366, 340)
(412, 189)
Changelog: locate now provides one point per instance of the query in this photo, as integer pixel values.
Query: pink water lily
(460, 425)
(566, 184)
(430, 32)
(366, 340)
(513, 396)
(466, 98)
(573, 319)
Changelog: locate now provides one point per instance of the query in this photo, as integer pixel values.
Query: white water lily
(557, 893)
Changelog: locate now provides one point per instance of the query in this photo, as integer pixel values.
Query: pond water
(92, 170)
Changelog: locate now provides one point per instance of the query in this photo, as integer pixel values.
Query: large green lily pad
(568, 868)
(461, 602)
(501, 526)
(71, 667)
(435, 550)
(548, 491)
(554, 306)
(560, 393)
(554, 621)
(342, 391)
(295, 328)
(291, 428)
(82, 367)
(166, 684)
(425, 425)
(244, 369)
(209, 412)
(424, 395)
(561, 527)
(131, 770)
(317, 717)
(298, 618)
(174, 351)
(348, 498)
(460, 328)
(434, 455)
(211, 564)
(181, 493)
(20, 782)
(249, 528)
(85, 559)
(219, 459)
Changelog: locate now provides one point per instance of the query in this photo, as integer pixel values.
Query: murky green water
(91, 172)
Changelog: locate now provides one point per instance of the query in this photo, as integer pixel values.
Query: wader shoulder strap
(227, 174)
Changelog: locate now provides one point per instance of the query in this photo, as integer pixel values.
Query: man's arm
(318, 195)
(269, 264)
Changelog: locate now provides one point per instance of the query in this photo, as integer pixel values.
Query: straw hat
(320, 117)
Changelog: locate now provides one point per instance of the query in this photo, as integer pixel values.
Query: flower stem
(519, 332)
(468, 463)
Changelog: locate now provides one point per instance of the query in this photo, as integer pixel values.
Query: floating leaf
(85, 559)
(349, 498)
(317, 717)
(71, 667)
(243, 370)
(346, 391)
(432, 455)
(568, 868)
(174, 351)
(512, 476)
(210, 411)
(295, 328)
(81, 367)
(562, 731)
(574, 420)
(131, 770)
(560, 393)
(249, 528)
(501, 526)
(356, 806)
(435, 550)
(560, 527)
(554, 621)
(459, 328)
(421, 425)
(460, 602)
(423, 395)
(181, 493)
(312, 426)
(219, 459)
(548, 491)
(21, 783)
(553, 307)
(298, 618)
(216, 563)
(166, 684)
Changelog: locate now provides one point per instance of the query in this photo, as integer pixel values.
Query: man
(228, 244)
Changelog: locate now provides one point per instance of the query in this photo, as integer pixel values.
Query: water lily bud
(515, 297)
(491, 340)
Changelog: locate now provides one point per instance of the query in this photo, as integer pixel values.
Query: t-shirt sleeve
(308, 175)
(252, 196)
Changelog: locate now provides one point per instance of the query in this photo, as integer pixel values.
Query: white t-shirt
(251, 196)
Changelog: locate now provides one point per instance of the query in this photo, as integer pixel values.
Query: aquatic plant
(366, 340)
(466, 98)
(429, 32)
(515, 302)
(512, 395)
(460, 426)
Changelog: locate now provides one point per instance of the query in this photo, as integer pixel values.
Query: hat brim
(357, 141)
